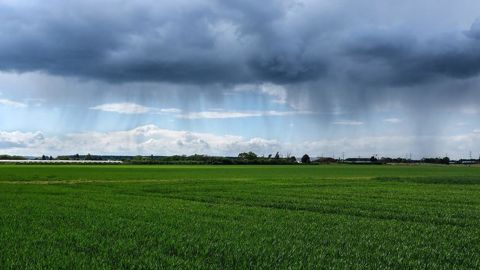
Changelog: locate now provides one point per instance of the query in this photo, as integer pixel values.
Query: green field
(239, 217)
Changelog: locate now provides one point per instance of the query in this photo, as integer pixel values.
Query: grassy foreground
(237, 217)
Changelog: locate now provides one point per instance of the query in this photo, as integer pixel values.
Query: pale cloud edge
(238, 114)
(348, 123)
(133, 108)
(392, 120)
(123, 108)
(11, 103)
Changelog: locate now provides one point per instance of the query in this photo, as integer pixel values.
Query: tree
(88, 157)
(250, 156)
(277, 156)
(6, 157)
(305, 159)
(445, 160)
(373, 159)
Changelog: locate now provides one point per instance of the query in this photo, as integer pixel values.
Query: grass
(237, 217)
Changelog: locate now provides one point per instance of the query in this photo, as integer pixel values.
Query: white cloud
(476, 131)
(17, 139)
(124, 108)
(11, 103)
(348, 123)
(170, 110)
(392, 120)
(218, 114)
(151, 139)
(148, 139)
(132, 108)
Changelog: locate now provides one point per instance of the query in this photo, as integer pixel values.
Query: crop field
(239, 217)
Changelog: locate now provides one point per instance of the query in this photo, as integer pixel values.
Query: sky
(216, 77)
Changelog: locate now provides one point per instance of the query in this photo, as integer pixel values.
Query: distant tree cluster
(306, 159)
(181, 159)
(444, 160)
(9, 157)
(395, 160)
(84, 157)
(244, 158)
(46, 157)
(252, 158)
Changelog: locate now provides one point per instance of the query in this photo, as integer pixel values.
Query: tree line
(245, 158)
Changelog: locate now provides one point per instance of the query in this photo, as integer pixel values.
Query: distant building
(468, 161)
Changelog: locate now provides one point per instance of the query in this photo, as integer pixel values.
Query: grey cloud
(187, 42)
(204, 42)
(474, 31)
(328, 54)
(280, 70)
(402, 60)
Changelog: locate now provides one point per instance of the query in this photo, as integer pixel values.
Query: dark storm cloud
(403, 60)
(186, 42)
(337, 52)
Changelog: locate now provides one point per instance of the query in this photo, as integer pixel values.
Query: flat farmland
(239, 217)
